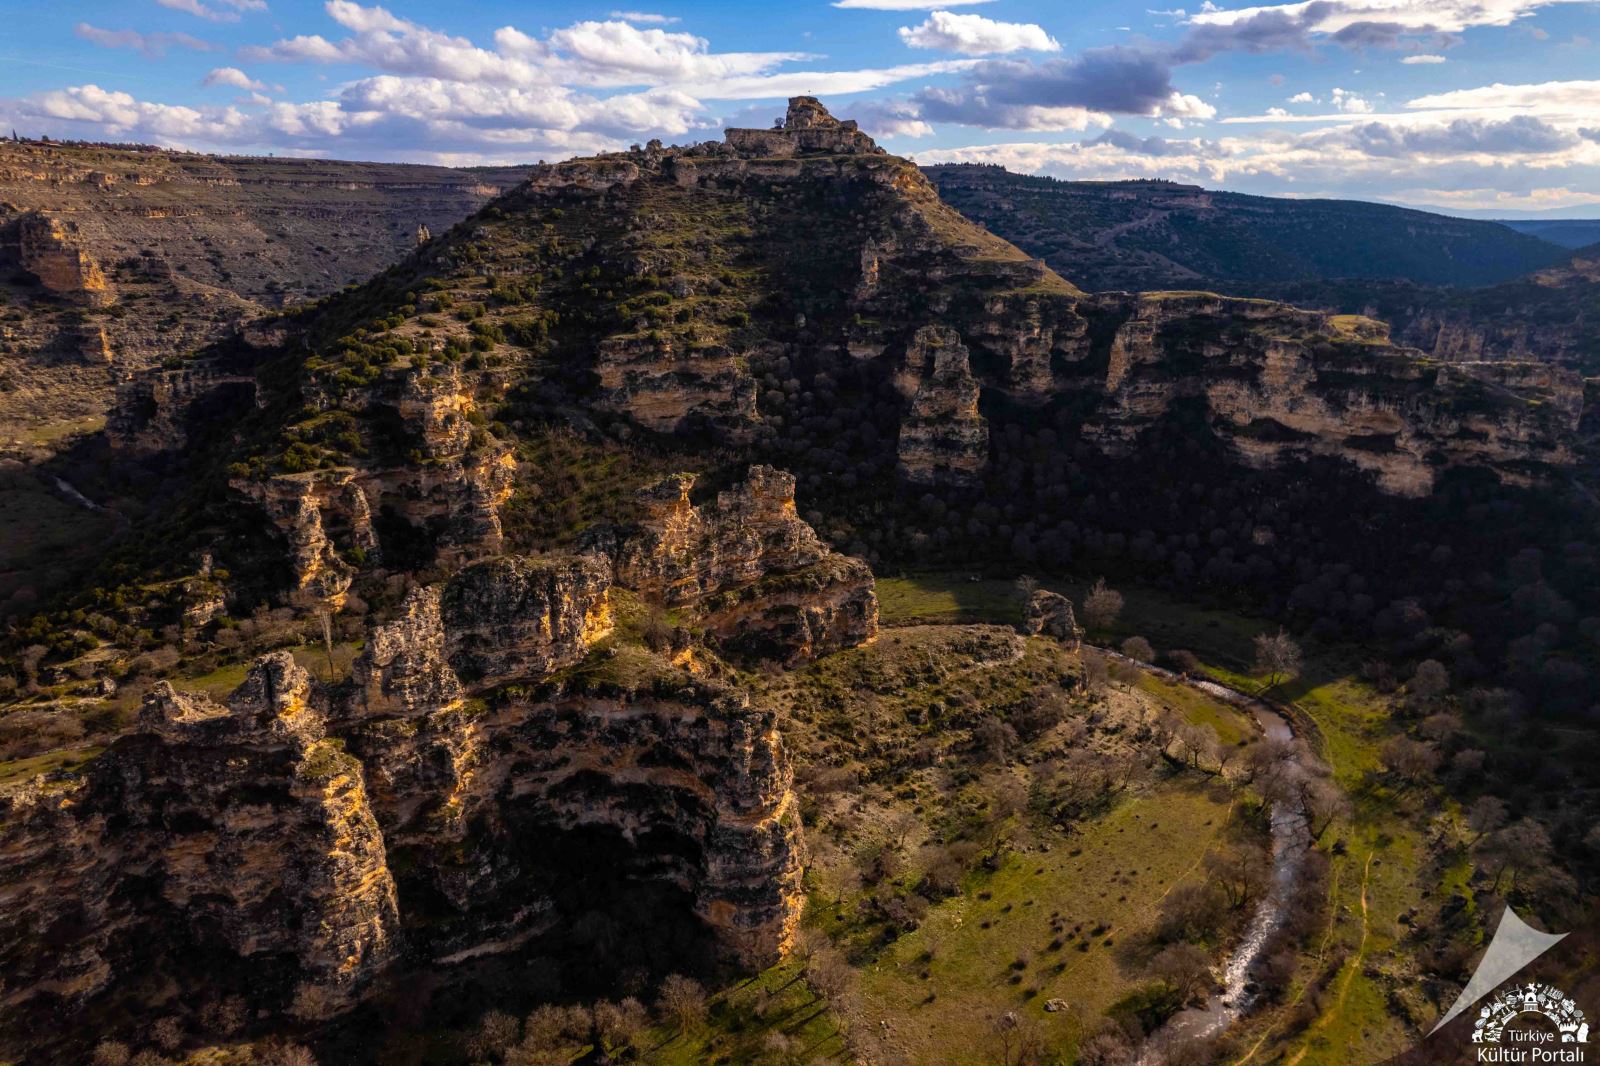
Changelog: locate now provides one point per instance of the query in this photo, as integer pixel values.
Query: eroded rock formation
(497, 765)
(1051, 613)
(760, 579)
(238, 834)
(943, 440)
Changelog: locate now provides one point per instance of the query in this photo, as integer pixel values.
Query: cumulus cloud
(1350, 102)
(232, 76)
(1303, 98)
(1507, 160)
(1422, 59)
(612, 53)
(890, 118)
(153, 45)
(202, 10)
(1011, 94)
(1522, 135)
(974, 35)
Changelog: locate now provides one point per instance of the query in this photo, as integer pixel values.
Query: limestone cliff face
(519, 619)
(943, 440)
(155, 410)
(50, 250)
(305, 840)
(296, 505)
(239, 834)
(1281, 383)
(758, 576)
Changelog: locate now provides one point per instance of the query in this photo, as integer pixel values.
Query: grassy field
(992, 948)
(62, 759)
(311, 657)
(1367, 898)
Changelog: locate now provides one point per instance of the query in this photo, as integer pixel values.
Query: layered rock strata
(943, 440)
(758, 577)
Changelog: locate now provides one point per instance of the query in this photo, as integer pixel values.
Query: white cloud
(905, 5)
(1350, 102)
(646, 18)
(1559, 99)
(1183, 105)
(1513, 163)
(1418, 59)
(974, 35)
(819, 82)
(656, 55)
(232, 76)
(1414, 16)
(201, 10)
(150, 44)
(611, 54)
(1303, 98)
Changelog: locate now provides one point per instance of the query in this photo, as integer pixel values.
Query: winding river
(1291, 841)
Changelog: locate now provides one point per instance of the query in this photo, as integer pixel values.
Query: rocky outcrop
(757, 575)
(666, 387)
(517, 619)
(943, 440)
(1050, 613)
(681, 553)
(50, 250)
(1279, 383)
(155, 410)
(295, 504)
(295, 835)
(237, 834)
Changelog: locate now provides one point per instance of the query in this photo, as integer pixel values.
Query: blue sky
(1461, 104)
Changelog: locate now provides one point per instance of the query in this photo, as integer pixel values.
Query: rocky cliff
(1279, 383)
(240, 834)
(943, 438)
(494, 769)
(755, 575)
(186, 246)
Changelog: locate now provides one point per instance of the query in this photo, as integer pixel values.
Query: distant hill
(1551, 315)
(113, 257)
(1567, 232)
(1144, 235)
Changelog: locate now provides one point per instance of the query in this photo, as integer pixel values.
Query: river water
(1291, 841)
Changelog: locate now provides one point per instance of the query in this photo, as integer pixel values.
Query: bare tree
(1486, 814)
(1139, 649)
(683, 1001)
(1277, 656)
(1200, 741)
(1184, 968)
(1095, 672)
(1410, 760)
(617, 1025)
(1323, 802)
(1430, 681)
(1191, 911)
(1520, 846)
(1241, 871)
(1102, 606)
